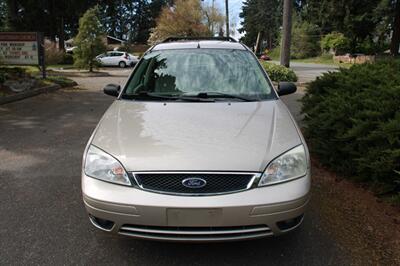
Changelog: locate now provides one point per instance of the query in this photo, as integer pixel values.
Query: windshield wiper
(155, 96)
(213, 94)
(147, 95)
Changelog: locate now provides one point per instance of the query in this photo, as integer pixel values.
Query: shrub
(352, 121)
(67, 59)
(2, 77)
(62, 81)
(275, 53)
(335, 42)
(279, 73)
(53, 55)
(305, 40)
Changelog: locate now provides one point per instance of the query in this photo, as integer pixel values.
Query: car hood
(179, 136)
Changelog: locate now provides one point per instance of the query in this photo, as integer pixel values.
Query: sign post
(22, 48)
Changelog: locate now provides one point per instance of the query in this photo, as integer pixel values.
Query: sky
(235, 7)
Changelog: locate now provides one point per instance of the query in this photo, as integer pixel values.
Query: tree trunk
(395, 45)
(287, 31)
(13, 14)
(257, 43)
(61, 36)
(269, 41)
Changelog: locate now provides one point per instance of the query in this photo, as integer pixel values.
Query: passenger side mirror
(285, 88)
(112, 89)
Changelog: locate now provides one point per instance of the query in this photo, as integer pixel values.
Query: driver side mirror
(112, 89)
(285, 88)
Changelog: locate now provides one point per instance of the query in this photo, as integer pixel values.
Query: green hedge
(279, 73)
(352, 121)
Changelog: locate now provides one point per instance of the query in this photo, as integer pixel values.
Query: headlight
(101, 165)
(290, 165)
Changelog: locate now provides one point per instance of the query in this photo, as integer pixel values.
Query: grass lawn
(322, 60)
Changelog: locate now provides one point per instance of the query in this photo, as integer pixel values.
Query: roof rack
(175, 39)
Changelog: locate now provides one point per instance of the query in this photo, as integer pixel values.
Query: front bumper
(254, 213)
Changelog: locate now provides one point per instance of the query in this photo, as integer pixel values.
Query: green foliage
(89, 40)
(67, 59)
(2, 77)
(352, 120)
(305, 40)
(279, 73)
(261, 16)
(275, 53)
(357, 20)
(13, 73)
(130, 20)
(3, 15)
(336, 42)
(62, 81)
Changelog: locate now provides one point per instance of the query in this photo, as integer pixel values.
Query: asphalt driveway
(43, 220)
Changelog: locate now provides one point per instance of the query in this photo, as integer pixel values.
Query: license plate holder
(194, 217)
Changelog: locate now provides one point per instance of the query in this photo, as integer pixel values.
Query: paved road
(43, 220)
(308, 71)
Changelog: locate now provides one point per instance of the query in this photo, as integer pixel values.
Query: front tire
(122, 64)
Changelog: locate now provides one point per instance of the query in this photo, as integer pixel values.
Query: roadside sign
(22, 48)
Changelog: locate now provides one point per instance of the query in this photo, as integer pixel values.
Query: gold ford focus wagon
(197, 147)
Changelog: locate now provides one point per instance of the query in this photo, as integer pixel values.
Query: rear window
(191, 71)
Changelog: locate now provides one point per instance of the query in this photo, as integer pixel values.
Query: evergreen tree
(359, 20)
(89, 40)
(261, 17)
(3, 15)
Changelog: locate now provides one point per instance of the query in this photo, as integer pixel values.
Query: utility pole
(227, 18)
(287, 32)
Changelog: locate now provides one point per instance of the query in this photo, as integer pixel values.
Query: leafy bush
(352, 120)
(305, 40)
(275, 53)
(67, 59)
(336, 42)
(2, 77)
(279, 73)
(62, 81)
(53, 55)
(12, 73)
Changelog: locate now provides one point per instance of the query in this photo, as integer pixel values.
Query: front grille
(195, 233)
(215, 183)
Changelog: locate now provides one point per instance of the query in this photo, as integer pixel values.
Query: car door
(116, 58)
(108, 59)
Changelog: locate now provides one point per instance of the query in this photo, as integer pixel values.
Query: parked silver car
(117, 58)
(197, 147)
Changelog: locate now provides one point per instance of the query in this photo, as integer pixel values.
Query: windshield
(212, 72)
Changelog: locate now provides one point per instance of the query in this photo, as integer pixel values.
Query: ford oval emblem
(194, 182)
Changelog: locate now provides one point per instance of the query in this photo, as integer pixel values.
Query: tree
(261, 19)
(358, 20)
(395, 45)
(89, 40)
(305, 40)
(185, 18)
(214, 19)
(3, 15)
(128, 20)
(58, 19)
